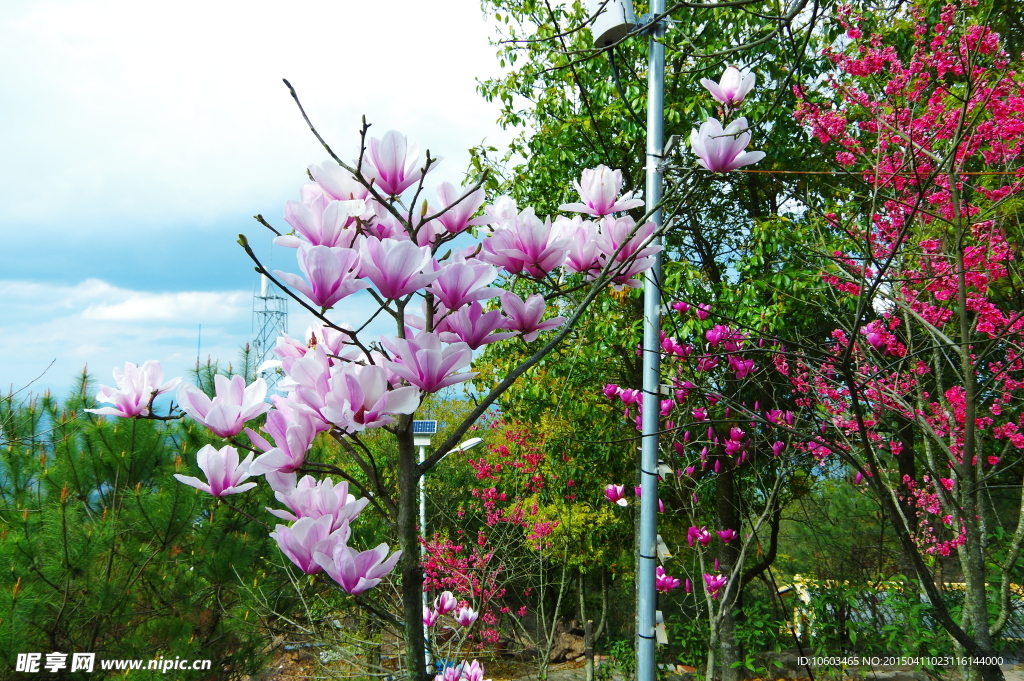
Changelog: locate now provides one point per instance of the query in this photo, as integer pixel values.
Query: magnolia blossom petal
(721, 150)
(136, 389)
(234, 404)
(224, 473)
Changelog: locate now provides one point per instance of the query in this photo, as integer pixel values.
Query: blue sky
(138, 139)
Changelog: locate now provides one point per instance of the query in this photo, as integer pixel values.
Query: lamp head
(615, 18)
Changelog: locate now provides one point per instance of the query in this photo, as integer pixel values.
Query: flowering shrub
(368, 228)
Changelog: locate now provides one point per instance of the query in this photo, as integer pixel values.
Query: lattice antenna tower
(269, 320)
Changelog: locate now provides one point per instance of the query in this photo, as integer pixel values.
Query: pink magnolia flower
(459, 215)
(446, 603)
(698, 534)
(224, 474)
(334, 341)
(703, 311)
(502, 209)
(721, 150)
(632, 239)
(875, 335)
(307, 380)
(525, 316)
(717, 334)
(777, 448)
(466, 616)
(357, 571)
(715, 583)
(664, 582)
(330, 227)
(337, 182)
(306, 536)
(599, 187)
(385, 225)
(473, 671)
(430, 616)
(397, 268)
(726, 535)
(630, 396)
(742, 367)
(474, 326)
(393, 163)
(423, 363)
(616, 494)
(732, 88)
(359, 397)
(666, 407)
(136, 388)
(527, 243)
(310, 498)
(332, 274)
(292, 435)
(234, 404)
(461, 283)
(583, 255)
(688, 587)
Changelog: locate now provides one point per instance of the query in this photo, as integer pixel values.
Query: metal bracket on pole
(646, 25)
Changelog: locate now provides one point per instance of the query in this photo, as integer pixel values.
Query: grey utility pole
(650, 426)
(613, 21)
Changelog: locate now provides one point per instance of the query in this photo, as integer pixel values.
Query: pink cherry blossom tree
(916, 383)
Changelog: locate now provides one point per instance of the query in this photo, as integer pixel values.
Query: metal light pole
(422, 430)
(615, 18)
(650, 425)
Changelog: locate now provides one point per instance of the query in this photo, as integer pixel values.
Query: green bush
(103, 551)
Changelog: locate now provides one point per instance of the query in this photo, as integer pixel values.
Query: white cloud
(153, 112)
(135, 135)
(105, 326)
(139, 307)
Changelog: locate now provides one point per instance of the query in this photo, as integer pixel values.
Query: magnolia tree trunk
(412, 570)
(728, 517)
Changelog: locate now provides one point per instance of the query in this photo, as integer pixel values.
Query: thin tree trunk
(588, 649)
(728, 518)
(412, 571)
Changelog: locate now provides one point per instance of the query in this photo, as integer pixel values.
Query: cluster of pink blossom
(474, 574)
(927, 504)
(446, 603)
(930, 291)
(514, 468)
(467, 671)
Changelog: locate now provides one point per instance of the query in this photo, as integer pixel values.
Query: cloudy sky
(138, 139)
